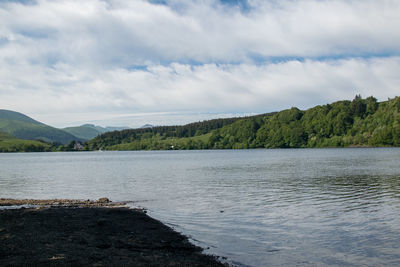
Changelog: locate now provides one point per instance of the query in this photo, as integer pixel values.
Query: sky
(163, 62)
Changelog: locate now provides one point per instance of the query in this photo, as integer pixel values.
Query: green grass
(158, 143)
(9, 143)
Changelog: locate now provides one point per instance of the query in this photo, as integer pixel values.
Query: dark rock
(93, 236)
(103, 200)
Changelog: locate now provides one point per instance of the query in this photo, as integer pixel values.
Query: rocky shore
(65, 233)
(101, 202)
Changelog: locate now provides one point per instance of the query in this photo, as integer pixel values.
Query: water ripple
(308, 207)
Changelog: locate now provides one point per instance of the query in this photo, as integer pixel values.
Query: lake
(283, 207)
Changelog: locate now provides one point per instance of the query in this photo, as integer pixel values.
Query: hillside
(9, 143)
(163, 137)
(360, 122)
(85, 132)
(90, 131)
(24, 127)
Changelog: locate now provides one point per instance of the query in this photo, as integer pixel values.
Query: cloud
(215, 88)
(137, 32)
(107, 58)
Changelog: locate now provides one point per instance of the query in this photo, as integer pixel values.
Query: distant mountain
(85, 132)
(21, 126)
(90, 131)
(112, 128)
(147, 126)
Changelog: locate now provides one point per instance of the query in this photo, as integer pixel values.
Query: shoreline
(95, 233)
(101, 202)
(208, 149)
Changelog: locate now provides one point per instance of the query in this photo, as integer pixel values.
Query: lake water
(291, 207)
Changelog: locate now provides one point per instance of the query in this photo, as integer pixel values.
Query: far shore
(61, 232)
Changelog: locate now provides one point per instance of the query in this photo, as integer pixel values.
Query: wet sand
(96, 235)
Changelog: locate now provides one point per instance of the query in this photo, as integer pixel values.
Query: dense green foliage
(360, 122)
(23, 127)
(153, 137)
(159, 143)
(12, 144)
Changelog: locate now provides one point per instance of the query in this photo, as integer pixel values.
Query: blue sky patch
(24, 2)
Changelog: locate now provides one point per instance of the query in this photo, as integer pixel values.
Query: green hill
(193, 135)
(9, 143)
(24, 127)
(85, 132)
(360, 122)
(90, 131)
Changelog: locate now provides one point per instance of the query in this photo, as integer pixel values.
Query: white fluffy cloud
(138, 32)
(212, 88)
(99, 59)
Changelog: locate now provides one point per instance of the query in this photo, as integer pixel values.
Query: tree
(371, 106)
(357, 106)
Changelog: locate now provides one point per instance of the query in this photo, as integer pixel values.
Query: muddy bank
(92, 236)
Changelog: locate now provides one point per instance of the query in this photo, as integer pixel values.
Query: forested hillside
(360, 122)
(149, 138)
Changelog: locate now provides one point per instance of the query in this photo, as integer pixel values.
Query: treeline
(25, 148)
(360, 122)
(146, 136)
